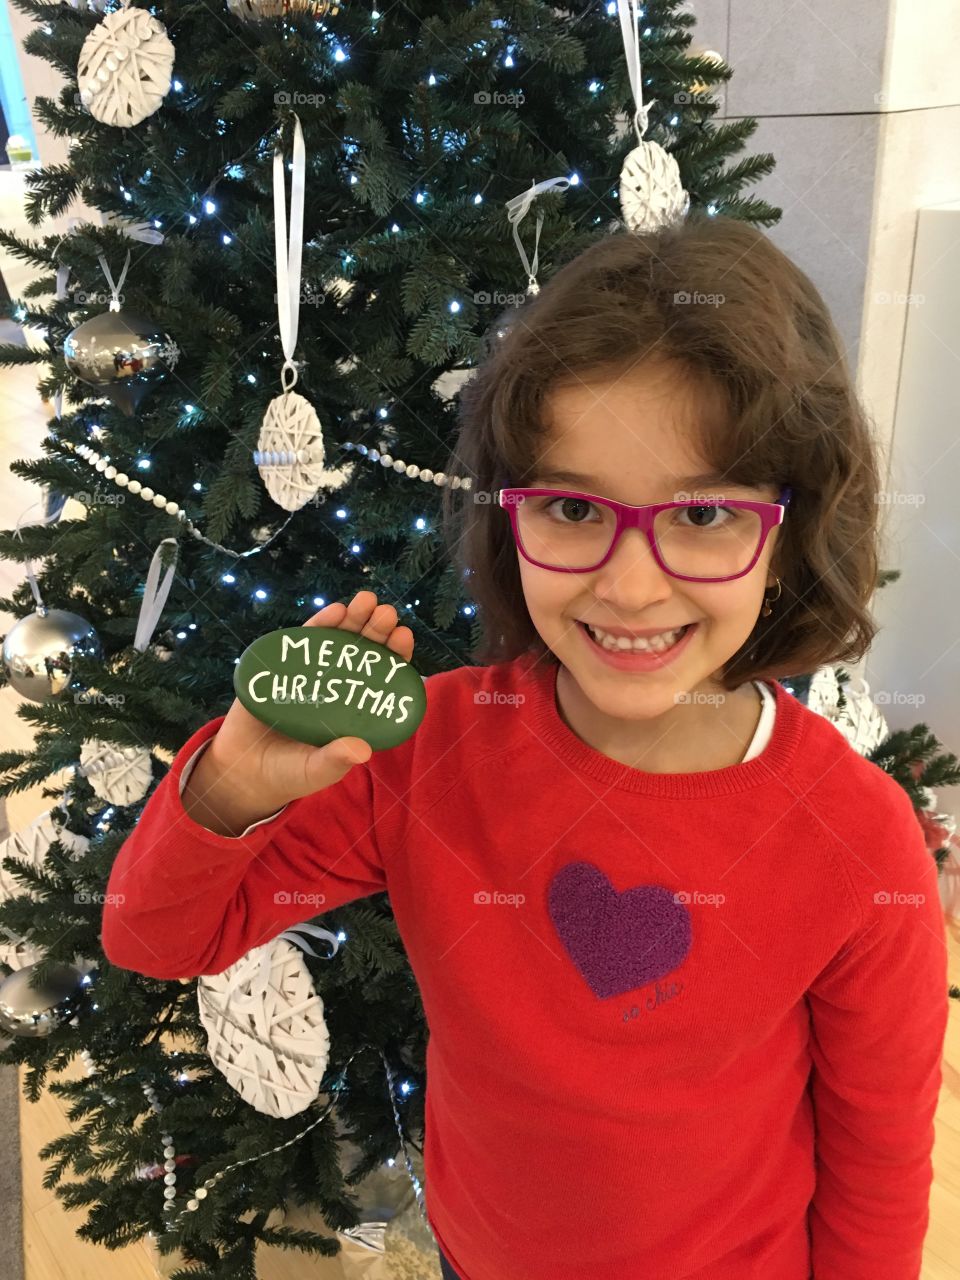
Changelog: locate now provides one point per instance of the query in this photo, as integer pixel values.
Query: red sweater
(683, 1026)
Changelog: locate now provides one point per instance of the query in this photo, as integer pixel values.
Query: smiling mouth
(661, 643)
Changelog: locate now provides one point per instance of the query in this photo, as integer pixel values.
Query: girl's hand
(249, 770)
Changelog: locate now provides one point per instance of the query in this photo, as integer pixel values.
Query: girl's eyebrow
(711, 478)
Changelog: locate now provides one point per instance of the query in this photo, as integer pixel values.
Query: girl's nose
(632, 576)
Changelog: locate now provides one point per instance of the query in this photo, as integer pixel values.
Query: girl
(679, 945)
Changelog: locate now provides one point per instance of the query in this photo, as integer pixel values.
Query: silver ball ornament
(28, 1011)
(39, 650)
(121, 354)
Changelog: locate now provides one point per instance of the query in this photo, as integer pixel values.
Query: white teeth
(654, 644)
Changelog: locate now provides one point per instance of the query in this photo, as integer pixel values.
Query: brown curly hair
(793, 417)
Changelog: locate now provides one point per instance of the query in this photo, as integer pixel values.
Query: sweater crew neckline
(560, 739)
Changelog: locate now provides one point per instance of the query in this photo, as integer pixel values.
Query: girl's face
(630, 438)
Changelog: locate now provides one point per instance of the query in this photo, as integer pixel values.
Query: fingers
(364, 616)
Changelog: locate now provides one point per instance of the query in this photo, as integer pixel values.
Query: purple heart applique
(618, 941)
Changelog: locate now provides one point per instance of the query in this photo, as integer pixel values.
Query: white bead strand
(123, 481)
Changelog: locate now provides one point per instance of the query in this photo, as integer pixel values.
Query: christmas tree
(419, 126)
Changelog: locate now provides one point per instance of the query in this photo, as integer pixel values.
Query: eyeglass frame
(642, 517)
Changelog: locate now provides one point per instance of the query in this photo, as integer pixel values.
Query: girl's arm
(183, 900)
(878, 1021)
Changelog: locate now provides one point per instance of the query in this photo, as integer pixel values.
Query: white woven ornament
(119, 775)
(860, 722)
(125, 67)
(265, 1027)
(651, 190)
(31, 846)
(290, 452)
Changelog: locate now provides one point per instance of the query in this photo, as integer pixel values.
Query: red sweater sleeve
(183, 901)
(878, 1021)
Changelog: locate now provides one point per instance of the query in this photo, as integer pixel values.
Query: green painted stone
(315, 684)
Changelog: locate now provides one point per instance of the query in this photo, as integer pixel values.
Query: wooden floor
(53, 1252)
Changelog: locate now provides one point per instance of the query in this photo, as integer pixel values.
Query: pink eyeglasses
(699, 540)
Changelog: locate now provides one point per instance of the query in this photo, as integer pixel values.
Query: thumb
(350, 751)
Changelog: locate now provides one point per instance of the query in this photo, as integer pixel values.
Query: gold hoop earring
(766, 611)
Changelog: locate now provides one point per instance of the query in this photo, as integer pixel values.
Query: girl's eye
(574, 509)
(705, 517)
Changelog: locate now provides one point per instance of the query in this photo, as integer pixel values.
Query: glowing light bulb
(228, 578)
(209, 206)
(340, 513)
(260, 594)
(454, 306)
(319, 601)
